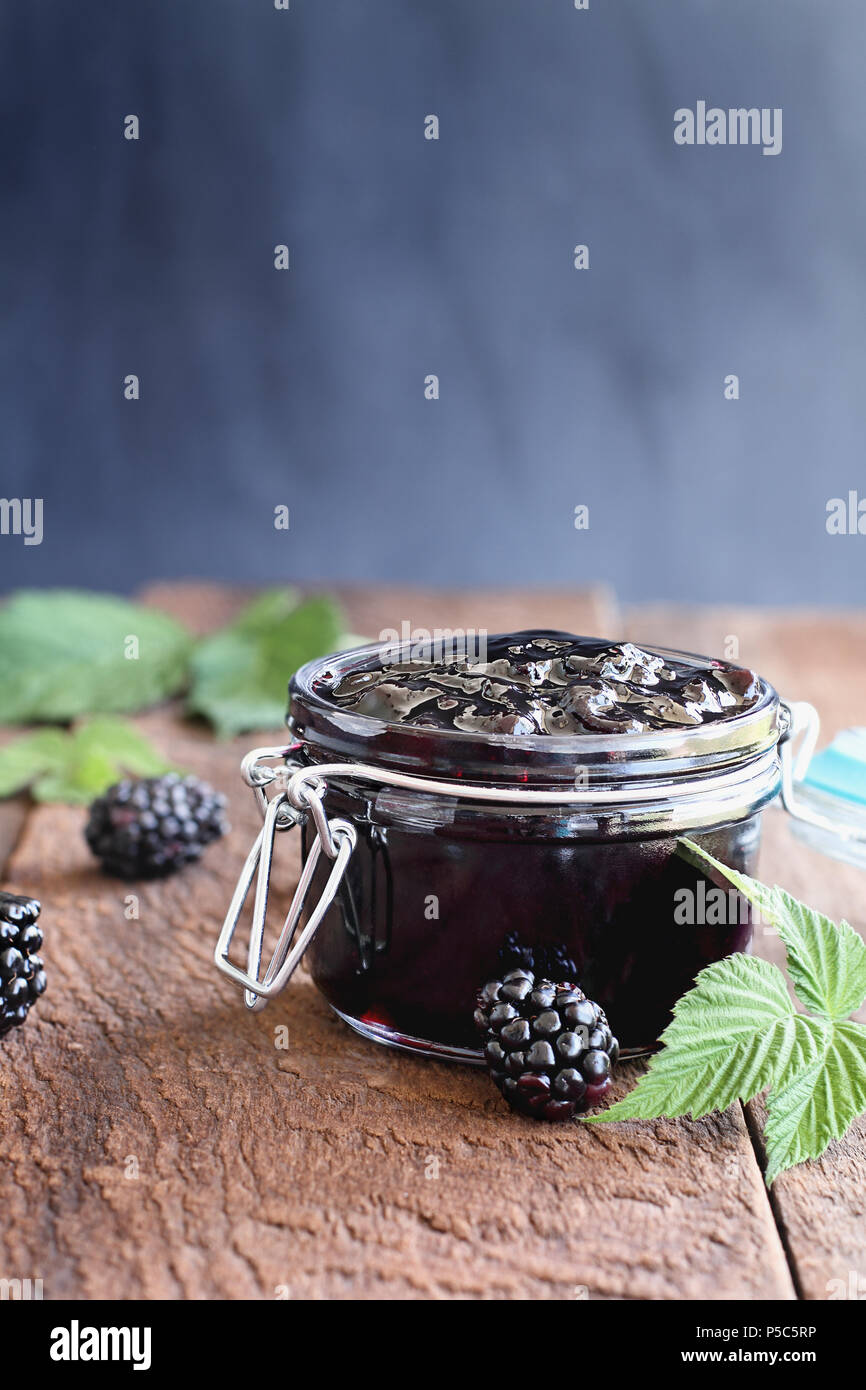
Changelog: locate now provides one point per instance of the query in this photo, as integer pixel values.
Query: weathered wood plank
(820, 1207)
(13, 814)
(369, 610)
(156, 1142)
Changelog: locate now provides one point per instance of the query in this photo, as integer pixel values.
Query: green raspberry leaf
(78, 781)
(826, 962)
(68, 653)
(736, 1033)
(240, 674)
(121, 743)
(76, 767)
(818, 1103)
(25, 759)
(97, 755)
(732, 1035)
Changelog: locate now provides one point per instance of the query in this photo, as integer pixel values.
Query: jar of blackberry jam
(463, 813)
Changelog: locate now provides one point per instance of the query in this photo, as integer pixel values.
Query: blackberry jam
(528, 809)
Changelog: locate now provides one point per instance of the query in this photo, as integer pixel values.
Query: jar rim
(329, 730)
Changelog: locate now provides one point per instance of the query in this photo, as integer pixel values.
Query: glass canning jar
(436, 859)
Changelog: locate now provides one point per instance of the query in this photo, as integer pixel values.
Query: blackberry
(548, 1048)
(22, 975)
(152, 827)
(547, 961)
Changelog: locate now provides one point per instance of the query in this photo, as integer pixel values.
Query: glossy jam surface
(547, 684)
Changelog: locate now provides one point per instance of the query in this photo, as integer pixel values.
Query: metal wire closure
(298, 783)
(336, 838)
(299, 796)
(805, 725)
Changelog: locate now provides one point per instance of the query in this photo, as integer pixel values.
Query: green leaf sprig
(68, 653)
(240, 674)
(737, 1033)
(57, 765)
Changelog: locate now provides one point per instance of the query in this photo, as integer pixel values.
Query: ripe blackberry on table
(22, 975)
(152, 827)
(548, 1048)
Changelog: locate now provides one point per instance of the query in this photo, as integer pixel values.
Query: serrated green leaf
(79, 780)
(122, 742)
(24, 759)
(826, 961)
(75, 767)
(818, 1103)
(263, 613)
(240, 675)
(732, 1035)
(736, 1033)
(65, 654)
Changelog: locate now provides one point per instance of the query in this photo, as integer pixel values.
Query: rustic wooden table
(156, 1144)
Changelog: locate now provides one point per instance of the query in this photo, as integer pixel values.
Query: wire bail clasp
(291, 806)
(828, 821)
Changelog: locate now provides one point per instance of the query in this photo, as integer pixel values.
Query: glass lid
(533, 707)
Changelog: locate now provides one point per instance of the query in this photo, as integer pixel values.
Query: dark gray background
(408, 257)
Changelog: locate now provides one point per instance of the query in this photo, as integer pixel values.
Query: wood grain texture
(259, 1167)
(156, 1142)
(820, 1207)
(13, 814)
(370, 610)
